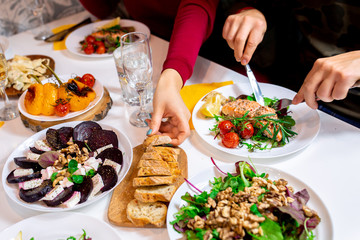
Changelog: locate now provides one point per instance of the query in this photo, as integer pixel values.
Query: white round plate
(4, 41)
(98, 88)
(51, 226)
(324, 230)
(12, 190)
(73, 40)
(307, 122)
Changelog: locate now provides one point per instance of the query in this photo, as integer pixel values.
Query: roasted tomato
(101, 49)
(225, 126)
(99, 43)
(90, 39)
(62, 107)
(230, 140)
(88, 80)
(89, 48)
(246, 130)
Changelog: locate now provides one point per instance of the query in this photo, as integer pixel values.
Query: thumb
(155, 122)
(299, 97)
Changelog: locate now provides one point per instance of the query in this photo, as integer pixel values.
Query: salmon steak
(253, 109)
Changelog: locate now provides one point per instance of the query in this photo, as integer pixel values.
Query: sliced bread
(156, 140)
(154, 163)
(153, 194)
(140, 213)
(153, 181)
(154, 171)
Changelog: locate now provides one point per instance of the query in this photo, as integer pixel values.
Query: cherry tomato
(225, 126)
(246, 130)
(230, 140)
(62, 107)
(99, 43)
(88, 79)
(101, 49)
(89, 49)
(90, 39)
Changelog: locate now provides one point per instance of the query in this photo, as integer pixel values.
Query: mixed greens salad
(82, 237)
(247, 205)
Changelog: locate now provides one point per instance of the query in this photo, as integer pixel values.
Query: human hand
(243, 32)
(330, 79)
(169, 104)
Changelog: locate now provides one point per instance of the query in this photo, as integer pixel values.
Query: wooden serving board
(98, 112)
(124, 192)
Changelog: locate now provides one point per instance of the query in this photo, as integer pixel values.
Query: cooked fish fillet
(239, 107)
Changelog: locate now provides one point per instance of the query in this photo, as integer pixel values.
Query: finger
(253, 41)
(340, 91)
(311, 85)
(155, 122)
(182, 135)
(299, 97)
(229, 31)
(325, 89)
(240, 40)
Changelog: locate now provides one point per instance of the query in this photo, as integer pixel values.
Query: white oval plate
(307, 122)
(98, 88)
(73, 40)
(52, 226)
(4, 41)
(324, 230)
(12, 190)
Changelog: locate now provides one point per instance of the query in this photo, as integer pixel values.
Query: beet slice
(52, 137)
(65, 134)
(101, 138)
(12, 179)
(35, 194)
(109, 177)
(85, 188)
(35, 150)
(59, 199)
(23, 162)
(83, 130)
(113, 154)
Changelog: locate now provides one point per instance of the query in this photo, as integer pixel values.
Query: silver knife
(254, 85)
(61, 35)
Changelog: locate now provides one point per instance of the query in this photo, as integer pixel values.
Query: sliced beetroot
(83, 130)
(35, 150)
(48, 158)
(12, 179)
(65, 134)
(52, 137)
(35, 194)
(59, 199)
(113, 154)
(101, 138)
(23, 162)
(109, 177)
(85, 188)
(80, 144)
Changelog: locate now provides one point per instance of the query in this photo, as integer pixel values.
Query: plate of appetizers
(244, 128)
(67, 166)
(259, 200)
(40, 103)
(104, 32)
(60, 226)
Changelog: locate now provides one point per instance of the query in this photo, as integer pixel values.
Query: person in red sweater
(189, 23)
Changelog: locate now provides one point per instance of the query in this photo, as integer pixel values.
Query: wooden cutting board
(124, 192)
(98, 112)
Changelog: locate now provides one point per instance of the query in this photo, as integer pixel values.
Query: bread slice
(168, 150)
(153, 181)
(154, 171)
(162, 193)
(173, 164)
(140, 213)
(153, 155)
(156, 140)
(154, 163)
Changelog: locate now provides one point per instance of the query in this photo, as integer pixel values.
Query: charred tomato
(62, 107)
(230, 140)
(225, 126)
(88, 80)
(246, 130)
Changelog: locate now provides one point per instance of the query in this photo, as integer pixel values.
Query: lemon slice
(114, 22)
(212, 105)
(18, 236)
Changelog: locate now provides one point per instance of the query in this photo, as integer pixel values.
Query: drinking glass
(10, 110)
(137, 67)
(37, 7)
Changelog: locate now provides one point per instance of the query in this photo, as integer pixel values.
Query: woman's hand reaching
(169, 104)
(243, 32)
(330, 79)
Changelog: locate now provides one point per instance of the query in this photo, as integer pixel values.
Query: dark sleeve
(193, 25)
(100, 8)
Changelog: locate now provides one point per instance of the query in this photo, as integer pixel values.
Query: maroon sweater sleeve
(193, 25)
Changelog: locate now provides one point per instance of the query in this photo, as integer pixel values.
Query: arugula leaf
(255, 210)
